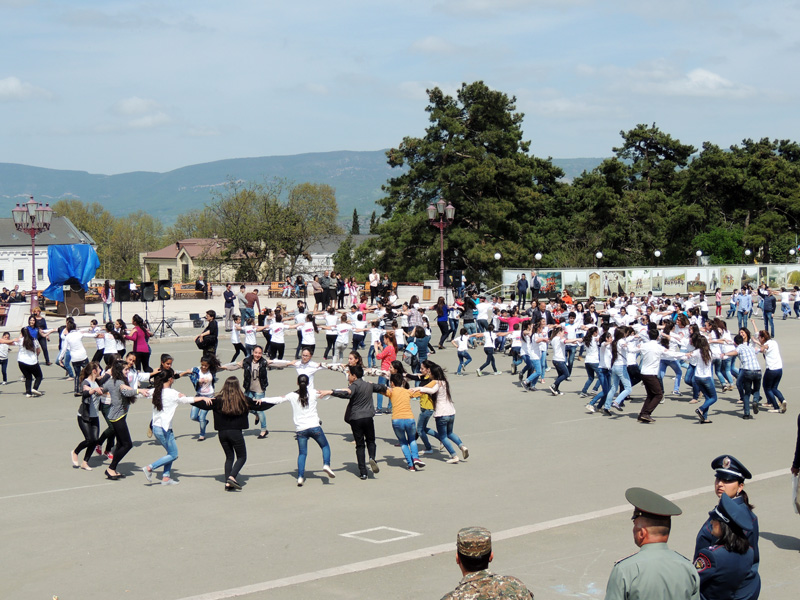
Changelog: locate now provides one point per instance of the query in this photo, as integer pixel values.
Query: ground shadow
(784, 542)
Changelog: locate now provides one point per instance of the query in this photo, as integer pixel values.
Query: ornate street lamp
(32, 218)
(441, 217)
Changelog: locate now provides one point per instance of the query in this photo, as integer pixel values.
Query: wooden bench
(275, 289)
(185, 290)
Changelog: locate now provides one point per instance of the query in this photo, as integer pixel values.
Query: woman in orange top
(403, 423)
(386, 356)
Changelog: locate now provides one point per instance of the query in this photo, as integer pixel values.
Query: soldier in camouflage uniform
(473, 555)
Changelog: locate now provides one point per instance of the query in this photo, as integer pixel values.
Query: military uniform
(476, 542)
(655, 572)
(728, 468)
(483, 585)
(722, 571)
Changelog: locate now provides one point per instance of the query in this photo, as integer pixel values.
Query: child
(236, 337)
(4, 357)
(462, 345)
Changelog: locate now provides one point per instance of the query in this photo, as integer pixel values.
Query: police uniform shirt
(722, 573)
(484, 585)
(654, 573)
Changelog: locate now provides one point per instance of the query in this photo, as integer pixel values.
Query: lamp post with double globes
(445, 215)
(32, 218)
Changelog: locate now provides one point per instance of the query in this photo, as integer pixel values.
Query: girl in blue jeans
(165, 402)
(306, 423)
(462, 345)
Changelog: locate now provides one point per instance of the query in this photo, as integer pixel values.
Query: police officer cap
(652, 504)
(733, 514)
(474, 541)
(730, 469)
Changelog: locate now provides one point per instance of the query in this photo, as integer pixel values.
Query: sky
(113, 87)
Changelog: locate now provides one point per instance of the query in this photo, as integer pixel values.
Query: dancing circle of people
(622, 342)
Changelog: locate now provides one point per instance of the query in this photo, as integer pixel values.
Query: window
(2, 275)
(169, 274)
(40, 274)
(20, 274)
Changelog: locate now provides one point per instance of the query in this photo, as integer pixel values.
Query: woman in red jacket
(141, 349)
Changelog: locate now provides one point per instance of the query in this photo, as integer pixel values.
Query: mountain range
(356, 176)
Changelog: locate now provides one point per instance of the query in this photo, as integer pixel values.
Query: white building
(15, 251)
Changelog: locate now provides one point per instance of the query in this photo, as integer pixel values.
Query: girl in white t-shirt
(236, 338)
(462, 345)
(773, 373)
(306, 424)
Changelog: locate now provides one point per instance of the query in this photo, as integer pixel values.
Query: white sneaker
(465, 452)
(421, 453)
(590, 408)
(36, 393)
(329, 471)
(452, 460)
(498, 372)
(300, 481)
(478, 372)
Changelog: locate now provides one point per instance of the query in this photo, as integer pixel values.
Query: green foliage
(723, 245)
(355, 228)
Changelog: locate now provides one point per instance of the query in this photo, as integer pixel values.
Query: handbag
(83, 411)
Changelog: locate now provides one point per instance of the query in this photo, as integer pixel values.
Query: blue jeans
(688, 379)
(768, 320)
(262, 414)
(463, 360)
(535, 365)
(772, 377)
(166, 439)
(483, 325)
(489, 351)
(786, 309)
(742, 317)
(444, 427)
(591, 373)
(318, 436)
(423, 430)
(706, 386)
(106, 311)
(405, 430)
(471, 328)
(675, 366)
(619, 373)
(604, 377)
(727, 363)
(751, 384)
(571, 352)
(383, 381)
(453, 328)
(371, 363)
(201, 416)
(563, 373)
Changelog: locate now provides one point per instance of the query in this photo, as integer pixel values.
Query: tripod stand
(162, 327)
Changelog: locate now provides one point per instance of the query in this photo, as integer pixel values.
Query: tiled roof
(62, 231)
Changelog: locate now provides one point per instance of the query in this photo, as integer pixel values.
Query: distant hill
(356, 176)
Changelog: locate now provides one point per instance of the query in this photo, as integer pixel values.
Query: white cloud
(698, 83)
(150, 121)
(661, 78)
(13, 88)
(134, 106)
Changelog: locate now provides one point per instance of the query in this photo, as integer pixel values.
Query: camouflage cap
(651, 503)
(474, 541)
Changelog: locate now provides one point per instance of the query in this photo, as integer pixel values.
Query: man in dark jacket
(359, 415)
(255, 382)
(522, 290)
(768, 306)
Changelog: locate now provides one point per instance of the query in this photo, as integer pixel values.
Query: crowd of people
(622, 342)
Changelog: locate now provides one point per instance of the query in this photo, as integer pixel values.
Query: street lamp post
(441, 217)
(32, 218)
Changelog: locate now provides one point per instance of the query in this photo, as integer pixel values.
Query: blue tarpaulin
(69, 265)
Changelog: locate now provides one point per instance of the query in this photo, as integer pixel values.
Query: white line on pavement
(395, 559)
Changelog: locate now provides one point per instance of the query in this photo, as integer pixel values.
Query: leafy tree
(312, 212)
(197, 223)
(343, 258)
(723, 245)
(373, 223)
(254, 226)
(472, 156)
(355, 228)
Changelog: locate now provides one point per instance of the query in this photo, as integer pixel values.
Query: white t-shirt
(276, 331)
(308, 369)
(170, 399)
(592, 352)
(26, 356)
(100, 342)
(308, 334)
(235, 334)
(305, 417)
(205, 383)
(74, 342)
(772, 355)
(463, 343)
(109, 343)
(249, 335)
(558, 349)
(343, 333)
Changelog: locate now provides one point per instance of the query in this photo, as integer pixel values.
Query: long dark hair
(310, 319)
(233, 399)
(159, 380)
(117, 369)
(107, 287)
(438, 375)
(302, 390)
(212, 361)
(587, 339)
(705, 351)
(619, 333)
(733, 540)
(138, 321)
(117, 335)
(27, 340)
(87, 370)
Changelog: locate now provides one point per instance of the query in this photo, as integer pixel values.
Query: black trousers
(43, 343)
(124, 442)
(276, 351)
(108, 434)
(364, 434)
(91, 431)
(232, 442)
(143, 362)
(32, 375)
(239, 347)
(655, 393)
(330, 340)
